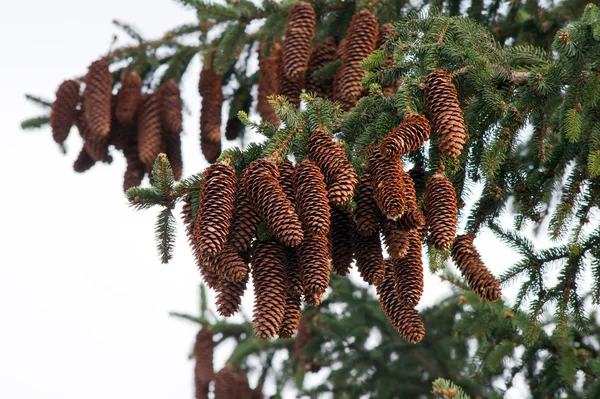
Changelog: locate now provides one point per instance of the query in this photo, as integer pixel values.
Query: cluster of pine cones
(305, 209)
(140, 125)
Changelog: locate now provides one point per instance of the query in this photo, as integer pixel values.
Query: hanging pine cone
(210, 88)
(245, 218)
(150, 141)
(303, 339)
(298, 37)
(129, 98)
(361, 40)
(369, 259)
(405, 320)
(97, 98)
(440, 205)
(229, 265)
(335, 166)
(203, 354)
(229, 296)
(226, 383)
(413, 217)
(367, 214)
(446, 115)
(96, 146)
(271, 202)
(409, 136)
(313, 256)
(322, 55)
(268, 83)
(396, 238)
(340, 241)
(286, 87)
(286, 180)
(292, 272)
(123, 137)
(268, 275)
(83, 162)
(388, 185)
(135, 171)
(64, 110)
(311, 198)
(291, 317)
(408, 273)
(171, 107)
(173, 151)
(471, 266)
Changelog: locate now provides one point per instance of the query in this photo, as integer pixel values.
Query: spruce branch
(165, 234)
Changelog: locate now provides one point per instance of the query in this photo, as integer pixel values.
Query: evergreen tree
(379, 120)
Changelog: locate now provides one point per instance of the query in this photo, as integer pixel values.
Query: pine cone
(123, 137)
(268, 275)
(362, 38)
(321, 56)
(229, 296)
(311, 198)
(304, 337)
(388, 185)
(340, 240)
(245, 218)
(405, 320)
(335, 166)
(171, 107)
(150, 141)
(217, 198)
(97, 98)
(96, 146)
(229, 265)
(396, 238)
(226, 383)
(134, 174)
(293, 277)
(446, 115)
(440, 205)
(313, 256)
(286, 180)
(291, 317)
(210, 88)
(268, 83)
(369, 259)
(129, 98)
(173, 151)
(408, 273)
(64, 110)
(409, 136)
(271, 202)
(298, 37)
(203, 353)
(367, 214)
(290, 89)
(471, 266)
(83, 162)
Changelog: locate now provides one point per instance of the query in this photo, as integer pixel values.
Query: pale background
(84, 301)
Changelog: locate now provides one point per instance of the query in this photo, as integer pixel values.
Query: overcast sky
(84, 301)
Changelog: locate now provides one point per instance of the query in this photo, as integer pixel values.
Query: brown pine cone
(441, 209)
(173, 151)
(134, 173)
(64, 110)
(150, 141)
(268, 83)
(298, 37)
(291, 317)
(311, 198)
(203, 354)
(369, 258)
(128, 98)
(171, 107)
(367, 214)
(395, 237)
(409, 136)
(286, 87)
(83, 162)
(271, 202)
(388, 185)
(340, 241)
(293, 277)
(96, 146)
(408, 273)
(335, 166)
(304, 337)
(243, 390)
(210, 88)
(229, 265)
(245, 218)
(226, 383)
(405, 320)
(286, 180)
(97, 98)
(410, 194)
(229, 296)
(268, 276)
(446, 115)
(471, 266)
(412, 218)
(361, 41)
(313, 257)
(123, 137)
(217, 198)
(322, 55)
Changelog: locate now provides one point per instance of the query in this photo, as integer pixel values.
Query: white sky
(84, 301)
